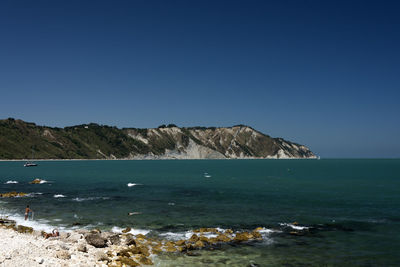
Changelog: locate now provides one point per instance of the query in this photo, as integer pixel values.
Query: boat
(30, 163)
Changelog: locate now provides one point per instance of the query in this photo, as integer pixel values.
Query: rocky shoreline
(25, 246)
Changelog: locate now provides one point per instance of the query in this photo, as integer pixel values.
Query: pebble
(39, 260)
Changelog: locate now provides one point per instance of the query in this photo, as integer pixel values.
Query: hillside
(93, 141)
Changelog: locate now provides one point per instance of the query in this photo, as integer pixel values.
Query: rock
(194, 238)
(256, 234)
(101, 256)
(213, 240)
(199, 244)
(241, 237)
(36, 181)
(259, 229)
(181, 248)
(125, 253)
(144, 260)
(129, 241)
(228, 231)
(39, 260)
(157, 249)
(206, 230)
(190, 246)
(126, 230)
(143, 250)
(180, 242)
(13, 194)
(171, 249)
(6, 222)
(95, 231)
(83, 231)
(63, 254)
(24, 229)
(75, 237)
(204, 239)
(96, 240)
(128, 261)
(223, 238)
(82, 248)
(116, 240)
(141, 236)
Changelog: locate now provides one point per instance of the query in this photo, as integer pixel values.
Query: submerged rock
(241, 237)
(144, 260)
(13, 194)
(37, 181)
(206, 230)
(127, 261)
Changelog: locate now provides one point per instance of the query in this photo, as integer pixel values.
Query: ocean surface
(349, 209)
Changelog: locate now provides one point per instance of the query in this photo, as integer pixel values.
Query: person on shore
(27, 211)
(54, 233)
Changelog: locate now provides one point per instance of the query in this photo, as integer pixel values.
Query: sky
(325, 74)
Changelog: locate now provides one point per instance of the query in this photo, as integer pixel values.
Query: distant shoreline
(24, 160)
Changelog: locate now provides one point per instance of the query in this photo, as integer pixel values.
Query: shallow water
(351, 205)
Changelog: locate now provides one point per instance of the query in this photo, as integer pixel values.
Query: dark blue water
(352, 206)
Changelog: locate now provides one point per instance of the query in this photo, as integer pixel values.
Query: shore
(21, 249)
(24, 246)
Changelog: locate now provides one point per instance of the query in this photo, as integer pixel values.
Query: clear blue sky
(321, 73)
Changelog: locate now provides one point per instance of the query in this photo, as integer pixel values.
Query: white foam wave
(11, 182)
(39, 225)
(267, 231)
(58, 196)
(132, 184)
(117, 229)
(295, 227)
(171, 204)
(34, 194)
(173, 236)
(80, 199)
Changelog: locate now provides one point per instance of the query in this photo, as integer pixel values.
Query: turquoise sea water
(351, 206)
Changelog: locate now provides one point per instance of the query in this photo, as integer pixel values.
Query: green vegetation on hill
(93, 141)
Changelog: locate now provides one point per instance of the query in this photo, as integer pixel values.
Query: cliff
(93, 141)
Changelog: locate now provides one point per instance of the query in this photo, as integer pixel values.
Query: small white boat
(30, 164)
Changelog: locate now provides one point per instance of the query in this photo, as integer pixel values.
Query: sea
(328, 212)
